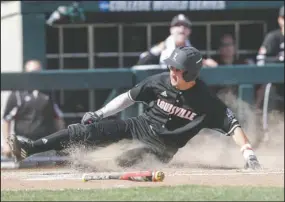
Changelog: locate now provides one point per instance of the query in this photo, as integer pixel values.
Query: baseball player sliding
(180, 105)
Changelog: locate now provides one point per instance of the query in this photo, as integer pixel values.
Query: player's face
(227, 47)
(180, 29)
(180, 40)
(176, 76)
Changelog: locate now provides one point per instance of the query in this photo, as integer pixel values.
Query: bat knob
(158, 176)
(84, 177)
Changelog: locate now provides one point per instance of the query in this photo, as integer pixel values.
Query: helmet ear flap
(186, 76)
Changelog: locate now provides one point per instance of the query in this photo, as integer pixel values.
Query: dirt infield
(62, 178)
(195, 164)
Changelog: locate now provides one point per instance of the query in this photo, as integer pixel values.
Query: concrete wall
(22, 39)
(11, 43)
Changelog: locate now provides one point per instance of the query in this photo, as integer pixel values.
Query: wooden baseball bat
(139, 176)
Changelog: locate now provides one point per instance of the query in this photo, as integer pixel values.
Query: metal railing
(122, 56)
(246, 76)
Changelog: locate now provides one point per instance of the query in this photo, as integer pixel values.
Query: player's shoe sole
(17, 151)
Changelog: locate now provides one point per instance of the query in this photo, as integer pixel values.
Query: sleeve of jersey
(222, 119)
(11, 108)
(266, 49)
(142, 92)
(57, 113)
(269, 44)
(147, 58)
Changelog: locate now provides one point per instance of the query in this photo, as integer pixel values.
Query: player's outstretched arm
(116, 105)
(142, 92)
(239, 137)
(241, 140)
(222, 119)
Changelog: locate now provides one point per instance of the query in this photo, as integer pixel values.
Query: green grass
(175, 193)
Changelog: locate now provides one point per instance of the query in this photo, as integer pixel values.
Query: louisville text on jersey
(178, 111)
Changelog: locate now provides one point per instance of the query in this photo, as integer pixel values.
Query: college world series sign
(147, 6)
(156, 6)
(129, 6)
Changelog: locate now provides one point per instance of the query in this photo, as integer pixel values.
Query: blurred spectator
(226, 56)
(272, 51)
(272, 48)
(180, 31)
(34, 113)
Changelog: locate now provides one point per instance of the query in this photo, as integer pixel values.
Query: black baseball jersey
(33, 112)
(272, 49)
(178, 115)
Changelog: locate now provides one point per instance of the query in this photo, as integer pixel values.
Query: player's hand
(90, 117)
(252, 163)
(6, 150)
(157, 49)
(210, 63)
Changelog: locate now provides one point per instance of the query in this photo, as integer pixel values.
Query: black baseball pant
(110, 131)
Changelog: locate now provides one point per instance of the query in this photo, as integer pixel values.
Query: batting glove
(252, 163)
(90, 117)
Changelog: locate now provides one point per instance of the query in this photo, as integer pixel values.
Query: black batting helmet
(188, 59)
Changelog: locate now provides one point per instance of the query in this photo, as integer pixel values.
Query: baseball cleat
(17, 148)
(252, 163)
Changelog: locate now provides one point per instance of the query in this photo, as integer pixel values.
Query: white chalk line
(224, 174)
(69, 177)
(53, 178)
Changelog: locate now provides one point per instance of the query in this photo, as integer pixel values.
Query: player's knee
(78, 131)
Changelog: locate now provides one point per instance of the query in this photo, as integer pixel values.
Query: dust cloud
(207, 150)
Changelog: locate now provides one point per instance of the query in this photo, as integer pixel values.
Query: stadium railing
(246, 76)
